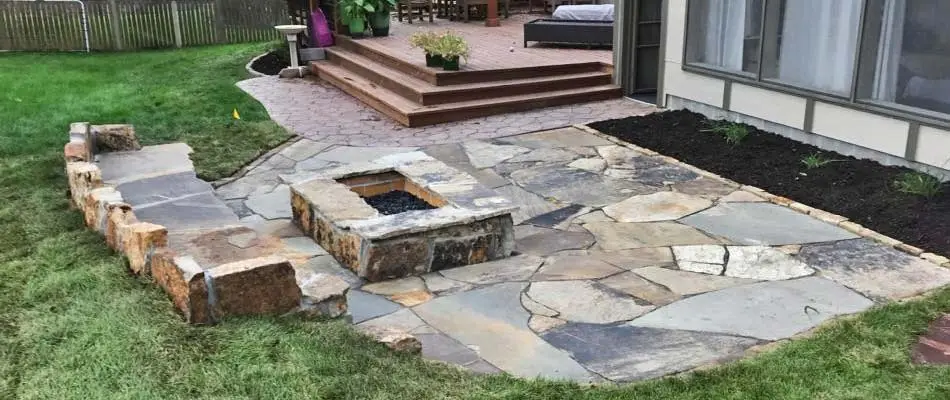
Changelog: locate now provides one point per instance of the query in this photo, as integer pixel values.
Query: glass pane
(811, 43)
(725, 34)
(906, 55)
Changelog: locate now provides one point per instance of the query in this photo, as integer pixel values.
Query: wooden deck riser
(489, 92)
(389, 82)
(432, 118)
(440, 77)
(365, 97)
(493, 90)
(386, 59)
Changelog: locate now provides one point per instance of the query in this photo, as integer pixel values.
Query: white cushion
(585, 12)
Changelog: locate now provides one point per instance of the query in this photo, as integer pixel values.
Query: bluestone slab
(766, 310)
(625, 353)
(492, 321)
(764, 224)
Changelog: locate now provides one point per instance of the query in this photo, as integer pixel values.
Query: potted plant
(427, 40)
(379, 20)
(355, 13)
(451, 47)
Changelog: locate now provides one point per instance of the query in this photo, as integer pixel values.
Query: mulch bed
(269, 64)
(396, 201)
(861, 190)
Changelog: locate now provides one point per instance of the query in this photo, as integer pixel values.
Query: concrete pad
(765, 310)
(873, 269)
(492, 322)
(624, 353)
(764, 224)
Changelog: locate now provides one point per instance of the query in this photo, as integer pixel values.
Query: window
(727, 33)
(906, 54)
(893, 55)
(812, 43)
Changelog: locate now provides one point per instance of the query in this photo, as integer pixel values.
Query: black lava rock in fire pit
(396, 201)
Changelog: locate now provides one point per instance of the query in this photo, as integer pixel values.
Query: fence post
(220, 35)
(115, 22)
(176, 23)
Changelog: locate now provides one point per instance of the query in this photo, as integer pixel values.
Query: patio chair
(411, 5)
(466, 5)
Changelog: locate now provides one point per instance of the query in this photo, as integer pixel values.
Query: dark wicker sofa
(591, 33)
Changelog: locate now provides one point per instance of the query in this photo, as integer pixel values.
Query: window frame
(852, 101)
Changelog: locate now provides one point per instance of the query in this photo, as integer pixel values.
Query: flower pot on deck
(357, 27)
(380, 23)
(450, 64)
(434, 60)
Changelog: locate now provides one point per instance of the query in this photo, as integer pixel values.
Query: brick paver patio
(321, 112)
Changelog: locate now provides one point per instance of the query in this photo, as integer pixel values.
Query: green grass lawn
(74, 324)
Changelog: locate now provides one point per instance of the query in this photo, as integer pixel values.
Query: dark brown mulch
(861, 190)
(270, 64)
(397, 201)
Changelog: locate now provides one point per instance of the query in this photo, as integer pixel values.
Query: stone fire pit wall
(471, 224)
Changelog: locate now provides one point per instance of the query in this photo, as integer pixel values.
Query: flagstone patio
(627, 267)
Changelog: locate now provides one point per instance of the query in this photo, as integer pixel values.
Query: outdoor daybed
(590, 25)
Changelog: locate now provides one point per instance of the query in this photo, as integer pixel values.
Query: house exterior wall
(847, 128)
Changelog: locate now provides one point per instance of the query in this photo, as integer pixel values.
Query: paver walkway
(627, 267)
(318, 111)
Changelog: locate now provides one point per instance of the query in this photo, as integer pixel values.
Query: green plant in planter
(379, 20)
(427, 40)
(816, 160)
(452, 48)
(355, 12)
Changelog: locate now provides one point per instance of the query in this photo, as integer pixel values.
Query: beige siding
(772, 106)
(864, 129)
(692, 86)
(933, 147)
(675, 31)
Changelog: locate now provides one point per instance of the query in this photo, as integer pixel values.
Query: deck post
(491, 17)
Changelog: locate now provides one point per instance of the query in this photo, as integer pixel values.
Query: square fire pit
(438, 217)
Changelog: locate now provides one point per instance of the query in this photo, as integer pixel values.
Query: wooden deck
(491, 48)
(500, 76)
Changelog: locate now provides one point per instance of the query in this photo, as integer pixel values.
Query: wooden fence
(136, 24)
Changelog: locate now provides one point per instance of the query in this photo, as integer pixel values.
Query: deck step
(412, 113)
(420, 91)
(439, 77)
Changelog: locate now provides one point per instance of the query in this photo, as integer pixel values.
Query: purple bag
(321, 34)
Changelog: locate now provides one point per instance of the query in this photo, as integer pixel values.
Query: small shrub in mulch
(864, 191)
(274, 61)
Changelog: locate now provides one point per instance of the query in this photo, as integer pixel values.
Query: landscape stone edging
(145, 245)
(251, 70)
(819, 214)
